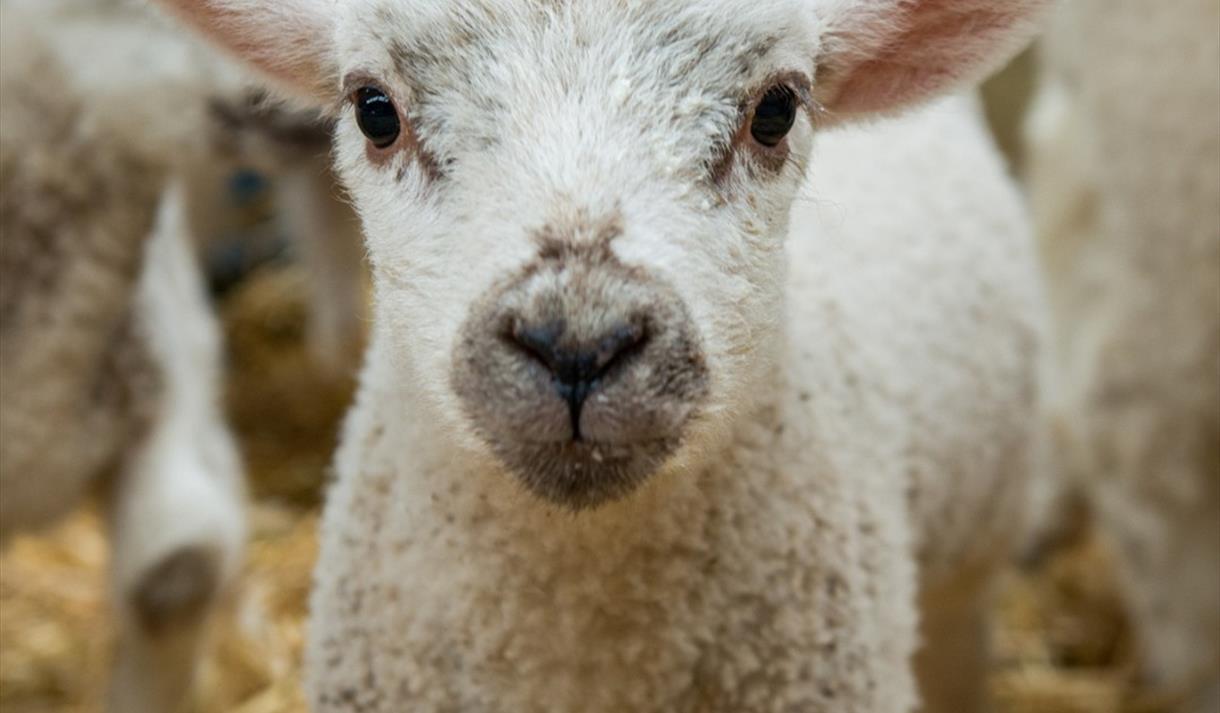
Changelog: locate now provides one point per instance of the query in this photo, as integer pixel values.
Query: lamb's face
(575, 208)
(575, 215)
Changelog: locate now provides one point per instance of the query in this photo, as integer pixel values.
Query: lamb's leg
(1165, 544)
(328, 234)
(951, 665)
(177, 511)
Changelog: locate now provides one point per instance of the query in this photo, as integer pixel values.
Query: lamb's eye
(376, 116)
(773, 116)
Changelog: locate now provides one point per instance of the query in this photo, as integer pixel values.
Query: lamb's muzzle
(580, 374)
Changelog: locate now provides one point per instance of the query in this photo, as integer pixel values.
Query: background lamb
(575, 217)
(103, 103)
(109, 367)
(190, 106)
(1125, 178)
(291, 146)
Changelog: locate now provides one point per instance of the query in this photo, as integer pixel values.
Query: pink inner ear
(286, 41)
(931, 46)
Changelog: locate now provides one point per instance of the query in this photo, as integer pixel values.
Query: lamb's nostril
(538, 341)
(576, 365)
(618, 344)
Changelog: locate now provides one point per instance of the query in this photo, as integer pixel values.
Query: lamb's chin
(583, 475)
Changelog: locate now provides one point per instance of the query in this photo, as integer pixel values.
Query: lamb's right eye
(773, 116)
(376, 116)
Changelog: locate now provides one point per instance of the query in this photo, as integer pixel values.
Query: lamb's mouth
(579, 373)
(583, 474)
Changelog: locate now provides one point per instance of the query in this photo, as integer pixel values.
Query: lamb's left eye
(773, 116)
(376, 116)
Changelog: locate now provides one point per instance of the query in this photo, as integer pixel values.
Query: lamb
(292, 146)
(683, 392)
(109, 361)
(1125, 185)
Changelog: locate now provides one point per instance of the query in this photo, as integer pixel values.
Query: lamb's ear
(883, 55)
(289, 41)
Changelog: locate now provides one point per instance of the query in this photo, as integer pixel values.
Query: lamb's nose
(577, 366)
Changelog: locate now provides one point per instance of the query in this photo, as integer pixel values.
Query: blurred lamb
(207, 116)
(109, 367)
(617, 447)
(1126, 187)
(292, 146)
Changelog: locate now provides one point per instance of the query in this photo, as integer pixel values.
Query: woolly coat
(888, 449)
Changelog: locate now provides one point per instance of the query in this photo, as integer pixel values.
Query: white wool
(941, 379)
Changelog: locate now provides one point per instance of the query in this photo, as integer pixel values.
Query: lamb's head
(575, 211)
(579, 251)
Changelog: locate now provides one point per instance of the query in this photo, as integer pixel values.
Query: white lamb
(109, 368)
(619, 448)
(1125, 178)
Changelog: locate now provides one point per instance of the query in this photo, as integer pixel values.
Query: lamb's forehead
(425, 43)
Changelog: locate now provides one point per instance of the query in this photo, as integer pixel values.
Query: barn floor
(1062, 645)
